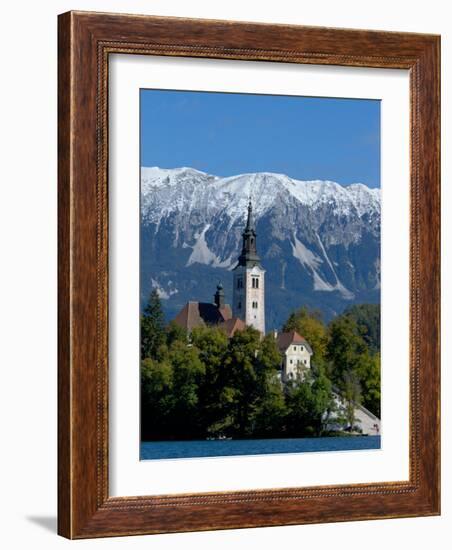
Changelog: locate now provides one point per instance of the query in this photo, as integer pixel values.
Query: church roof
(286, 339)
(200, 314)
(231, 326)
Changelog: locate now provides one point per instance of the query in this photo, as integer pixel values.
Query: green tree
(156, 399)
(299, 407)
(268, 361)
(309, 324)
(367, 317)
(241, 378)
(355, 366)
(152, 327)
(269, 409)
(352, 396)
(269, 412)
(369, 374)
(309, 401)
(322, 399)
(175, 332)
(212, 344)
(344, 348)
(188, 374)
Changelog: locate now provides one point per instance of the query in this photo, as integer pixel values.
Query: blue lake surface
(151, 450)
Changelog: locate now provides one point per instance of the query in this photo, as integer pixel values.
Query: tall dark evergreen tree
(152, 327)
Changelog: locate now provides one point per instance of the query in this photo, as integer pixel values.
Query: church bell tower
(248, 301)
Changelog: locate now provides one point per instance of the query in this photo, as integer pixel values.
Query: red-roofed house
(296, 355)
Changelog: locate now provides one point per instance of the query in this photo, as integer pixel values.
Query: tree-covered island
(206, 385)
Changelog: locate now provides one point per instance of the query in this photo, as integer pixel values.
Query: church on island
(248, 307)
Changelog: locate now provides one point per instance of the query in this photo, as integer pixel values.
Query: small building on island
(296, 355)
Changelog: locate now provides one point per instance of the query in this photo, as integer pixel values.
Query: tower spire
(248, 256)
(249, 220)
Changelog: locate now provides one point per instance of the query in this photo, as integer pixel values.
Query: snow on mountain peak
(315, 237)
(164, 190)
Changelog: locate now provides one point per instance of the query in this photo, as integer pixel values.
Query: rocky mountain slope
(319, 241)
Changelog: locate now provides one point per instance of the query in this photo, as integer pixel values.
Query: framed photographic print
(248, 275)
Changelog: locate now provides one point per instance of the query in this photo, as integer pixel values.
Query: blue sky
(228, 134)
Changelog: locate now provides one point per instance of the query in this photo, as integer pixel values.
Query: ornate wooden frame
(85, 42)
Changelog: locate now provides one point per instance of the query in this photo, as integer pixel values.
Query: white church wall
(246, 295)
(238, 294)
(296, 355)
(255, 316)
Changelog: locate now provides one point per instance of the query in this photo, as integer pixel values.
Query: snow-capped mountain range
(318, 241)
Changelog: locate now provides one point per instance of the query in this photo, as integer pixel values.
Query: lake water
(151, 450)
